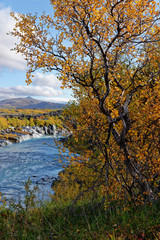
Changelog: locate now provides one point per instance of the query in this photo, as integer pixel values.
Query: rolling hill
(29, 103)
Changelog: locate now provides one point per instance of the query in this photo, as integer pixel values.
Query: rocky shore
(11, 135)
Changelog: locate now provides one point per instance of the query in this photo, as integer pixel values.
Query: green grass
(84, 221)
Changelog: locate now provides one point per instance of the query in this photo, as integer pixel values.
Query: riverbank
(12, 135)
(87, 221)
(17, 125)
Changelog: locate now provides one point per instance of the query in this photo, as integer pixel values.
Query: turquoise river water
(34, 159)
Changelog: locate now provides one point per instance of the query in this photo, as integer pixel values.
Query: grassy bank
(86, 220)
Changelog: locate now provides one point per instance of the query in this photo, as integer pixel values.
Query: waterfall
(32, 132)
(4, 143)
(54, 131)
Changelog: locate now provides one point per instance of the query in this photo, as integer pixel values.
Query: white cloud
(45, 87)
(58, 99)
(36, 90)
(22, 91)
(49, 80)
(8, 59)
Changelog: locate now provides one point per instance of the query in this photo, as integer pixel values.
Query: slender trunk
(139, 178)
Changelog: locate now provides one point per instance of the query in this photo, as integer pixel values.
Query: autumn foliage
(108, 52)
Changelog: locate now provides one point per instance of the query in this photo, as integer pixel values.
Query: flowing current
(36, 159)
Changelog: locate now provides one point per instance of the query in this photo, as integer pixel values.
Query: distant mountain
(29, 103)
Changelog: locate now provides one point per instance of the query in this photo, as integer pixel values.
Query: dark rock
(45, 130)
(55, 181)
(50, 132)
(4, 142)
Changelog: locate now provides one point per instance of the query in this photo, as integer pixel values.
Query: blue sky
(12, 65)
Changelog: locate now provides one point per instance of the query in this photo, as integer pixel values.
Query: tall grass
(31, 219)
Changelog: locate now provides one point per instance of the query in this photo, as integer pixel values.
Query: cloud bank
(8, 59)
(47, 86)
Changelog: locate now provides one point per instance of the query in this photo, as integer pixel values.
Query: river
(36, 159)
